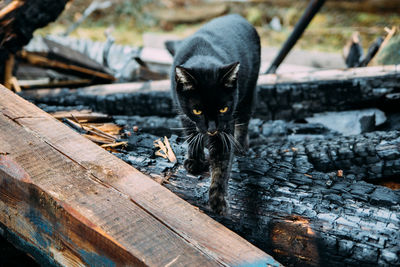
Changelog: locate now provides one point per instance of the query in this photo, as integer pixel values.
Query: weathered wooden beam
(69, 202)
(42, 61)
(82, 116)
(280, 96)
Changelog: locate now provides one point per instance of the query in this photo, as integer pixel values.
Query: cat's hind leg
(196, 162)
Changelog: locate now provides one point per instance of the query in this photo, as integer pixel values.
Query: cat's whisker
(234, 143)
(211, 144)
(220, 135)
(195, 136)
(229, 141)
(190, 139)
(199, 142)
(224, 142)
(196, 142)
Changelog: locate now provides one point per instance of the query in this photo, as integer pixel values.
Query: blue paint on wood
(40, 256)
(35, 217)
(267, 262)
(95, 259)
(43, 228)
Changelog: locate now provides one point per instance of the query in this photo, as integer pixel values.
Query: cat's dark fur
(215, 68)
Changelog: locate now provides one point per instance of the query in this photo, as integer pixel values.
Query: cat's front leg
(220, 160)
(195, 162)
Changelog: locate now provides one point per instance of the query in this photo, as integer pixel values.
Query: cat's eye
(223, 110)
(197, 112)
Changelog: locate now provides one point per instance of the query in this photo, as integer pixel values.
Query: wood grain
(81, 205)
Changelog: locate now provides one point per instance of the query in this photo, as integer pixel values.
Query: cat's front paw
(218, 204)
(195, 166)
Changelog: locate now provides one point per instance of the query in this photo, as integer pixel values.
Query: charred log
(287, 97)
(306, 202)
(295, 96)
(18, 21)
(353, 51)
(372, 50)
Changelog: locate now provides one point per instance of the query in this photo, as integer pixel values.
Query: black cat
(214, 77)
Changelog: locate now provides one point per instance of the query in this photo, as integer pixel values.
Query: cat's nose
(212, 128)
(212, 133)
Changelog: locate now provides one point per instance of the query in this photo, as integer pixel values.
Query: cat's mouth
(212, 133)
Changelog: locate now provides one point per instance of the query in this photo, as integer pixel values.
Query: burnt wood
(18, 21)
(280, 96)
(66, 201)
(316, 201)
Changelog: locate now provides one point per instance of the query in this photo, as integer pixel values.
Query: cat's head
(208, 96)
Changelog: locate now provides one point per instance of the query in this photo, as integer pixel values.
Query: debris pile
(310, 191)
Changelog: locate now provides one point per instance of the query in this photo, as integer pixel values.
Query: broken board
(66, 201)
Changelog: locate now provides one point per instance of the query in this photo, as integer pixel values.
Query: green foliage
(254, 16)
(135, 11)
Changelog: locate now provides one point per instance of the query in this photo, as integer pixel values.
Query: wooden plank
(13, 5)
(98, 208)
(62, 209)
(42, 61)
(82, 115)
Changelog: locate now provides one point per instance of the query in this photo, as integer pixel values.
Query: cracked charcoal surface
(286, 197)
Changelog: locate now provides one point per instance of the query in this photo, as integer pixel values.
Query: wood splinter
(165, 150)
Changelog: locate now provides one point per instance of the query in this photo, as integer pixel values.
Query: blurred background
(274, 19)
(329, 31)
(325, 43)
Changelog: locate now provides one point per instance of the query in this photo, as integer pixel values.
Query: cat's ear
(172, 46)
(184, 78)
(229, 74)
